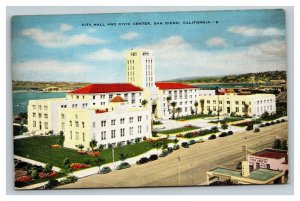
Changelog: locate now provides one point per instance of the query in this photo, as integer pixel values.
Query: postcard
(150, 99)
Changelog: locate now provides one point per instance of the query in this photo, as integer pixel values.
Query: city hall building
(115, 113)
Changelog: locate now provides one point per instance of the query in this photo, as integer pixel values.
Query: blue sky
(59, 48)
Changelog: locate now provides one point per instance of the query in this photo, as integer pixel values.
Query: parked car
(164, 153)
(51, 184)
(105, 170)
(176, 147)
(142, 161)
(153, 157)
(191, 142)
(123, 165)
(170, 149)
(185, 145)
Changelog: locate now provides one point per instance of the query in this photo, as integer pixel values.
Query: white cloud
(273, 48)
(252, 31)
(216, 41)
(59, 40)
(129, 36)
(105, 55)
(65, 27)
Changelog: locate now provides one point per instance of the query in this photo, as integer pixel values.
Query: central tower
(140, 68)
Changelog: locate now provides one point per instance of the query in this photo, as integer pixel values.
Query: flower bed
(94, 153)
(199, 133)
(23, 179)
(43, 175)
(55, 146)
(155, 140)
(77, 166)
(82, 152)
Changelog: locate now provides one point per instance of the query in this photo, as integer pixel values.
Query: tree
(175, 141)
(284, 145)
(80, 146)
(202, 105)
(157, 145)
(99, 161)
(34, 174)
(246, 109)
(224, 125)
(100, 147)
(123, 156)
(48, 168)
(144, 102)
(178, 110)
(277, 144)
(93, 144)
(196, 106)
(168, 101)
(173, 104)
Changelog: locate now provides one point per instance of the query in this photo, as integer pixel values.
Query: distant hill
(241, 78)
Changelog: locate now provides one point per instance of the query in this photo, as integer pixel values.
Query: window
(122, 132)
(77, 135)
(94, 124)
(139, 118)
(40, 107)
(83, 137)
(34, 123)
(62, 126)
(130, 130)
(113, 134)
(46, 116)
(236, 102)
(130, 119)
(77, 97)
(214, 101)
(103, 135)
(228, 102)
(34, 107)
(71, 135)
(70, 123)
(40, 115)
(236, 109)
(113, 122)
(103, 123)
(77, 123)
(268, 166)
(122, 121)
(110, 95)
(208, 101)
(139, 129)
(45, 107)
(94, 97)
(82, 124)
(33, 114)
(62, 116)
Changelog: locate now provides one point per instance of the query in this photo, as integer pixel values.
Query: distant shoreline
(59, 91)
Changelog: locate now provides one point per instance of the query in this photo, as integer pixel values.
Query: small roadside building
(259, 176)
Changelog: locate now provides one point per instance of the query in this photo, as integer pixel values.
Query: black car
(170, 149)
(123, 165)
(185, 145)
(142, 161)
(164, 153)
(105, 170)
(176, 147)
(153, 157)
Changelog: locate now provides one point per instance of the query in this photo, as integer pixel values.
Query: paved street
(194, 162)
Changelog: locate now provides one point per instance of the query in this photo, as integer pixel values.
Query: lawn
(39, 148)
(178, 130)
(229, 119)
(196, 116)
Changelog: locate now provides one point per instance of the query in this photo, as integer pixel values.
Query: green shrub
(48, 167)
(34, 174)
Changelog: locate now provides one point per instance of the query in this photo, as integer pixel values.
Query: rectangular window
(139, 118)
(122, 121)
(62, 126)
(34, 123)
(40, 107)
(113, 134)
(139, 129)
(110, 95)
(70, 123)
(62, 116)
(82, 124)
(113, 122)
(103, 123)
(33, 114)
(40, 115)
(236, 102)
(83, 137)
(46, 116)
(77, 135)
(94, 97)
(130, 130)
(236, 109)
(130, 119)
(77, 123)
(103, 135)
(71, 135)
(34, 107)
(45, 107)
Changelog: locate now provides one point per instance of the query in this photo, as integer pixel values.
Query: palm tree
(196, 106)
(173, 104)
(99, 161)
(123, 156)
(93, 144)
(144, 102)
(168, 101)
(178, 110)
(202, 106)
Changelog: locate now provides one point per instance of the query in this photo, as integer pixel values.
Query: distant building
(251, 105)
(271, 159)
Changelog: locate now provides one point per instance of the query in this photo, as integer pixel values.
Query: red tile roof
(106, 88)
(271, 153)
(173, 85)
(117, 99)
(98, 111)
